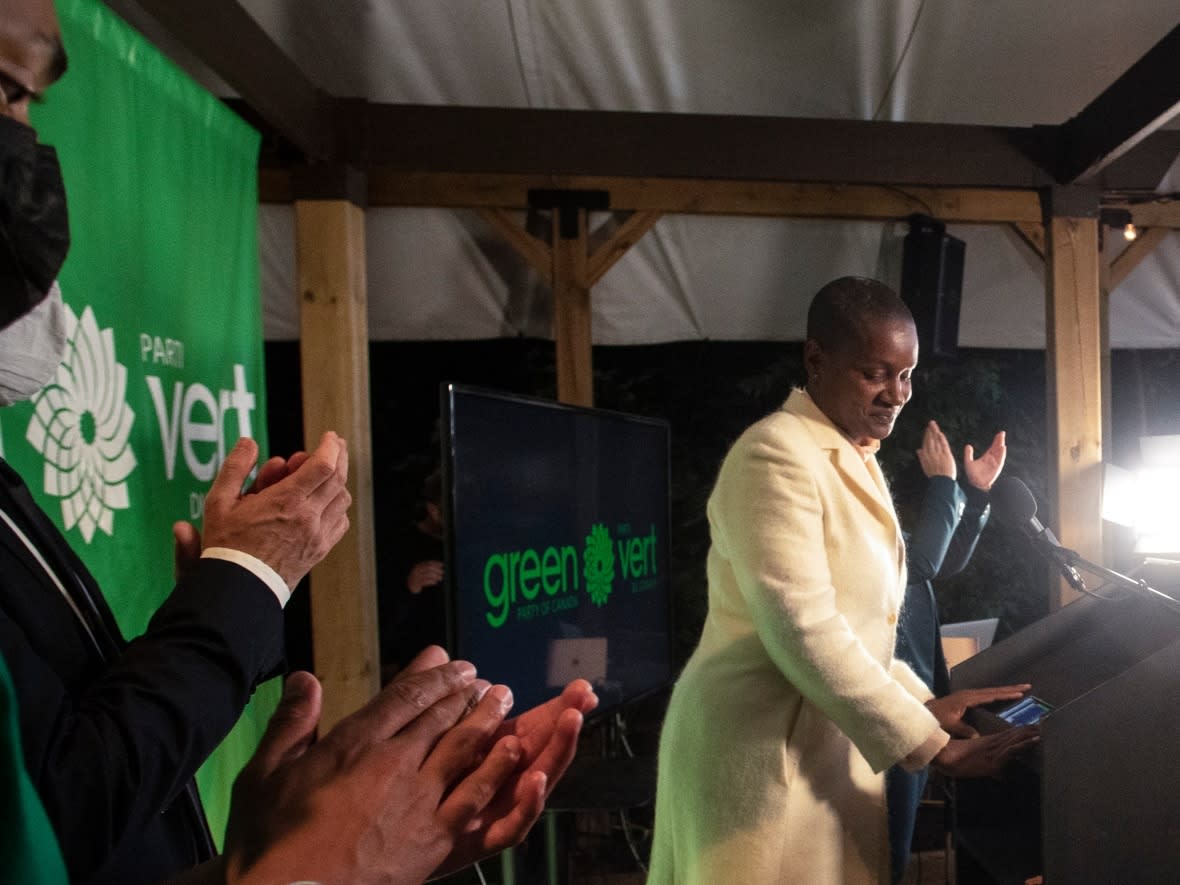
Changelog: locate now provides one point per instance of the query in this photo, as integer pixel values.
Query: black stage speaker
(932, 284)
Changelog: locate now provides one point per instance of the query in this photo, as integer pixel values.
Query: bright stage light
(1147, 498)
(1157, 525)
(1120, 494)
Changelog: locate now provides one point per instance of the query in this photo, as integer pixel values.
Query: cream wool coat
(792, 705)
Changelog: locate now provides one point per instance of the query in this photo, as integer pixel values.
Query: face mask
(34, 231)
(32, 348)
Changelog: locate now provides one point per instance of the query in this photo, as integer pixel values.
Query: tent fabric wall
(960, 61)
(437, 274)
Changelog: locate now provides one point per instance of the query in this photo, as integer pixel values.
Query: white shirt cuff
(256, 567)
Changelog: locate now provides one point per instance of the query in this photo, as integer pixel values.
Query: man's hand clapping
(427, 777)
(290, 517)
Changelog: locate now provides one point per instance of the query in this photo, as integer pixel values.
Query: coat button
(892, 618)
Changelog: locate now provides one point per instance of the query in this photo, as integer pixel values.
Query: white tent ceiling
(1003, 62)
(443, 274)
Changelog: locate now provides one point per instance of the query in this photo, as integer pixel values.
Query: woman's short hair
(842, 309)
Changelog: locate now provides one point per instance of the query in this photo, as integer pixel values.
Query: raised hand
(935, 454)
(981, 472)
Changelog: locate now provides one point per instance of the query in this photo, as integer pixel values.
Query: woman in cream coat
(792, 704)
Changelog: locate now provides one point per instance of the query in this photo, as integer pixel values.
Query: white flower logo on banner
(81, 425)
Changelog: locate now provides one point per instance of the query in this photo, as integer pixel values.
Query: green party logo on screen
(598, 564)
(81, 426)
(538, 582)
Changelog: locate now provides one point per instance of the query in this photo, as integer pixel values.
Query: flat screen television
(556, 545)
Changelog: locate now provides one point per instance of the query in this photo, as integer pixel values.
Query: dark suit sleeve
(108, 755)
(926, 547)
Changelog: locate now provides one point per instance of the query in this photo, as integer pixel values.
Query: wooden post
(571, 263)
(1105, 288)
(334, 349)
(571, 312)
(1075, 339)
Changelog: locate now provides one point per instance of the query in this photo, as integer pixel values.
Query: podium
(1099, 800)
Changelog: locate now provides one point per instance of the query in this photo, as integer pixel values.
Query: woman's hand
(935, 455)
(950, 710)
(984, 756)
(981, 472)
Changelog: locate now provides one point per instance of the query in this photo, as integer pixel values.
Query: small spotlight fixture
(1130, 232)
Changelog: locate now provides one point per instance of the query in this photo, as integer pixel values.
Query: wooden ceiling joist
(453, 156)
(420, 138)
(389, 139)
(691, 196)
(1130, 109)
(1164, 212)
(236, 48)
(403, 139)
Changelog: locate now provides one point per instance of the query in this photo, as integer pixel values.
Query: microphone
(1015, 506)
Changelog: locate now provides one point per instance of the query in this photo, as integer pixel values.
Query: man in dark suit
(114, 731)
(423, 780)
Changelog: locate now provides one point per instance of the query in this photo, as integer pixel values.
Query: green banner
(164, 369)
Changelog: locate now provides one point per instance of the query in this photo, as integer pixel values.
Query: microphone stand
(1066, 556)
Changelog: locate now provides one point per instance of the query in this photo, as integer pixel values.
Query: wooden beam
(1074, 340)
(537, 255)
(700, 197)
(571, 314)
(705, 197)
(1130, 109)
(334, 350)
(431, 138)
(421, 138)
(393, 140)
(1164, 212)
(697, 196)
(1142, 168)
(614, 240)
(1033, 236)
(236, 48)
(685, 196)
(1139, 248)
